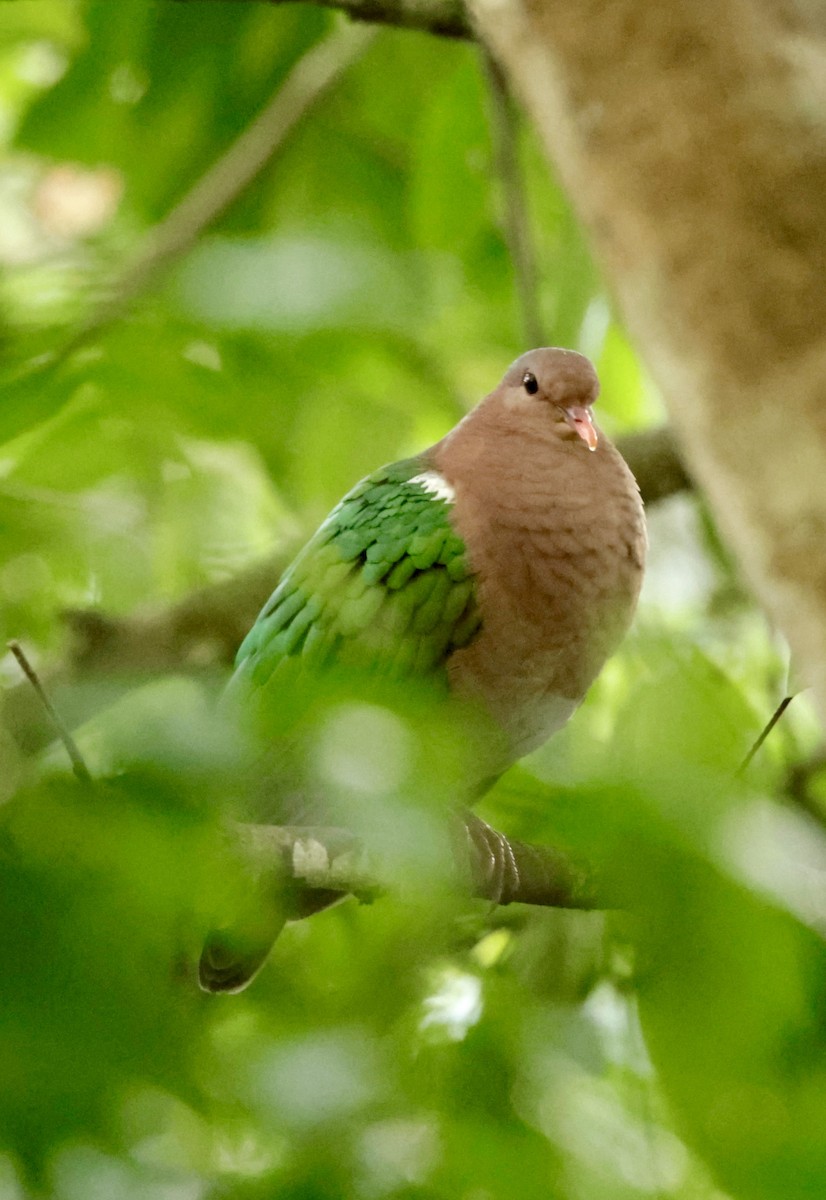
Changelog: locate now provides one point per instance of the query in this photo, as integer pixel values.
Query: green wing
(384, 585)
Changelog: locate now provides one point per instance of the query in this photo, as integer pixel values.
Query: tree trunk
(692, 139)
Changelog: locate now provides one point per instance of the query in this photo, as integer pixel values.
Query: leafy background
(345, 310)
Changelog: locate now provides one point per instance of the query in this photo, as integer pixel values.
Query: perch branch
(333, 859)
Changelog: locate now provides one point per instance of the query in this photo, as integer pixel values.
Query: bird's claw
(493, 864)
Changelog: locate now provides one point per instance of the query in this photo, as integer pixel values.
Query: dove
(504, 563)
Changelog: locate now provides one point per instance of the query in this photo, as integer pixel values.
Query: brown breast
(556, 537)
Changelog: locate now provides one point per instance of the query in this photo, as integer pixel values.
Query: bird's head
(561, 380)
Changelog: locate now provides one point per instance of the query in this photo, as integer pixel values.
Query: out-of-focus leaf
(448, 208)
(298, 284)
(731, 1001)
(92, 888)
(27, 20)
(131, 105)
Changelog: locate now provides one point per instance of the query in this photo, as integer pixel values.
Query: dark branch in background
(803, 783)
(505, 138)
(447, 18)
(108, 656)
(656, 463)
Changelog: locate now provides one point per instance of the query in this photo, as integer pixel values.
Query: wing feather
(384, 584)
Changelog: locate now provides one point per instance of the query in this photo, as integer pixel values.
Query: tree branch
(107, 656)
(656, 464)
(332, 859)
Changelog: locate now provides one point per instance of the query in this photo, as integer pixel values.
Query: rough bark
(692, 139)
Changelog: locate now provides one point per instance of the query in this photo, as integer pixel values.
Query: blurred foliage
(345, 311)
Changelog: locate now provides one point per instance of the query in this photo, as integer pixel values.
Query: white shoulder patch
(435, 483)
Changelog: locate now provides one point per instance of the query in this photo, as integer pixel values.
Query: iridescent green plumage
(384, 585)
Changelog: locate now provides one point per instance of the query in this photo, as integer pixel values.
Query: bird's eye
(529, 383)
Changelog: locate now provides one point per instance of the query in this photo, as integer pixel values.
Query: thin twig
(312, 76)
(505, 136)
(78, 765)
(776, 715)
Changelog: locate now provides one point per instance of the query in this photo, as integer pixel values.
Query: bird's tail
(233, 955)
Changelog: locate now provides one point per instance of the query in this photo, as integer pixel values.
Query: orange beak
(582, 423)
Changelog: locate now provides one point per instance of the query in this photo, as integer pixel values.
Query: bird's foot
(493, 865)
